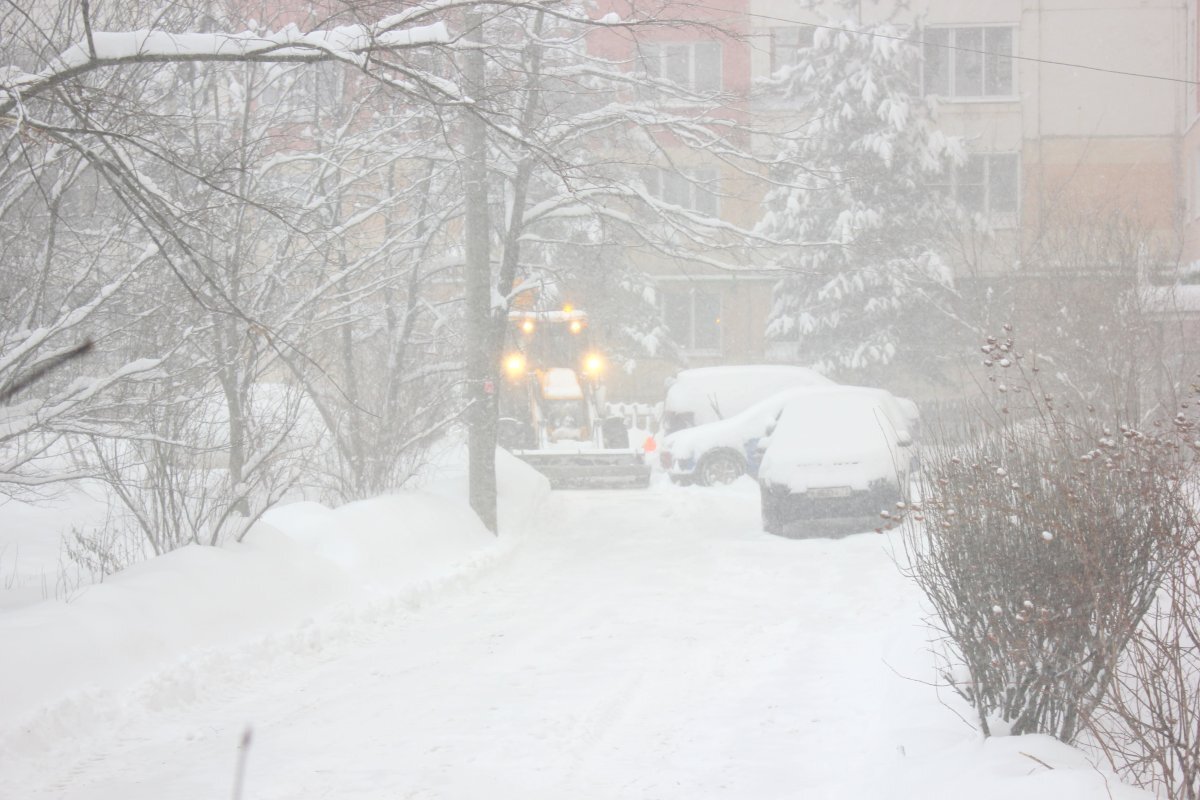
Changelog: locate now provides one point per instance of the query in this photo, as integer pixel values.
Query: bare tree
(574, 120)
(80, 138)
(314, 259)
(1091, 286)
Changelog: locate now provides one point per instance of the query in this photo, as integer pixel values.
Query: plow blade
(589, 469)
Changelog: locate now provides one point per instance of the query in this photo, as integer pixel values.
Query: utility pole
(481, 372)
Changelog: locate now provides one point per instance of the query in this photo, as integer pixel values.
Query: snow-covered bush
(1045, 538)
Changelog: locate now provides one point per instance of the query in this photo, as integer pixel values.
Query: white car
(834, 455)
(722, 451)
(707, 394)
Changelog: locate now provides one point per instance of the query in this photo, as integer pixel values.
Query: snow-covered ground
(639, 644)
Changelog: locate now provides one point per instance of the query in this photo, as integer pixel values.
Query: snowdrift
(302, 575)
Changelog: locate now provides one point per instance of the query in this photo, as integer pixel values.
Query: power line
(1010, 56)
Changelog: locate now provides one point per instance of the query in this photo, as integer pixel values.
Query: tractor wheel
(613, 434)
(515, 434)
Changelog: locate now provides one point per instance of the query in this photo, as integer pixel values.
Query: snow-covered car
(833, 455)
(708, 394)
(721, 451)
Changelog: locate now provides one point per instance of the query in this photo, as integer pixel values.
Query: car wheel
(723, 466)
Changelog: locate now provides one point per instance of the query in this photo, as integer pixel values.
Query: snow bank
(522, 489)
(33, 533)
(306, 572)
(1031, 767)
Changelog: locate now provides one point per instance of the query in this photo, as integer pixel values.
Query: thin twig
(1035, 758)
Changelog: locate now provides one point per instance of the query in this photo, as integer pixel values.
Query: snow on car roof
(846, 436)
(833, 416)
(712, 393)
(753, 421)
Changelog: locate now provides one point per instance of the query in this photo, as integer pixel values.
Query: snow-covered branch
(352, 44)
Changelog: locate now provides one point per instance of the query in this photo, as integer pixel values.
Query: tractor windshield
(553, 342)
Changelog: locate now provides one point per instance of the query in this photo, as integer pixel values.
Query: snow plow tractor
(553, 413)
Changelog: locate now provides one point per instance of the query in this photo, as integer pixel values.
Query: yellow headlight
(593, 364)
(576, 326)
(527, 326)
(514, 365)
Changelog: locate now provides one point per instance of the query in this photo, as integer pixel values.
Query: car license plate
(829, 491)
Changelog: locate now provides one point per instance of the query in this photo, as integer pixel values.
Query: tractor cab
(553, 412)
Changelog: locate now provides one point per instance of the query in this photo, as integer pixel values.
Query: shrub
(1148, 725)
(1047, 533)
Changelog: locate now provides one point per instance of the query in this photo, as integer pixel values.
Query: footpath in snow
(652, 644)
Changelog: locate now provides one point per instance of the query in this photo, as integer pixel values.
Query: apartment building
(716, 315)
(1053, 100)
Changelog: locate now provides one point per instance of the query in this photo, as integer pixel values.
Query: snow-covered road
(649, 644)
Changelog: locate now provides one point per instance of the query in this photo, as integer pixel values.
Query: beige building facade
(1073, 112)
(1054, 97)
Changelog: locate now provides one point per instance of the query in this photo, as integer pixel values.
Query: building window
(695, 66)
(787, 44)
(693, 317)
(696, 189)
(987, 184)
(966, 63)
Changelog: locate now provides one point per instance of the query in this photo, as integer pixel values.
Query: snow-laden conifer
(864, 277)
